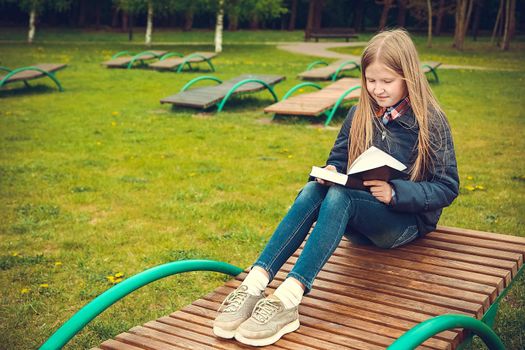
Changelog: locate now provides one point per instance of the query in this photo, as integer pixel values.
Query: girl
(398, 113)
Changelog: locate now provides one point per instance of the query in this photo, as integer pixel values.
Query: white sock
(256, 281)
(290, 293)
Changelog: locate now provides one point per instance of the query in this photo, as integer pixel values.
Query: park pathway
(323, 50)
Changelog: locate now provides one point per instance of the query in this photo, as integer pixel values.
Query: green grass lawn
(102, 179)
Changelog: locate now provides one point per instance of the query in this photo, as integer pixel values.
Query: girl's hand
(381, 190)
(327, 183)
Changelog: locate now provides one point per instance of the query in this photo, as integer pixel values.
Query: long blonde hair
(395, 49)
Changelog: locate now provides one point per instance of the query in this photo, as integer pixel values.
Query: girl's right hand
(327, 183)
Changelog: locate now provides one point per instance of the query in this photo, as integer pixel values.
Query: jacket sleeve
(339, 154)
(439, 188)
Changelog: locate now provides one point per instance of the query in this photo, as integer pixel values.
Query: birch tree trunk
(218, 27)
(149, 26)
(429, 8)
(32, 19)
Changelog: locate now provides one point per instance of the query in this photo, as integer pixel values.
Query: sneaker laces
(234, 300)
(265, 309)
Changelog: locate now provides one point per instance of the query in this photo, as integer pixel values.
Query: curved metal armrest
(344, 64)
(427, 329)
(5, 69)
(189, 57)
(114, 294)
(338, 103)
(243, 82)
(171, 54)
(141, 54)
(5, 80)
(193, 81)
(299, 86)
(122, 53)
(315, 63)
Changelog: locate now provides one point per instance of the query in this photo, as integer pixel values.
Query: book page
(374, 158)
(328, 175)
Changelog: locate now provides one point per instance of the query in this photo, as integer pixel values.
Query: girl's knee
(312, 191)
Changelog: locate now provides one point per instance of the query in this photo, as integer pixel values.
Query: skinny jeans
(338, 211)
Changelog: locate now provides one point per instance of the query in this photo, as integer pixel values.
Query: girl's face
(385, 86)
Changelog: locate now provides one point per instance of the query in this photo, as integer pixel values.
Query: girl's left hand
(381, 190)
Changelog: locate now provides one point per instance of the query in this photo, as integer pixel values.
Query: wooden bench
(330, 33)
(364, 298)
(168, 63)
(126, 59)
(31, 72)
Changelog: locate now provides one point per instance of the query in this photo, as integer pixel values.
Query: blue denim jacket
(425, 198)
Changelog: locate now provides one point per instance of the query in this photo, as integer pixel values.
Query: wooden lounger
(364, 298)
(178, 63)
(330, 71)
(31, 72)
(313, 104)
(205, 97)
(431, 67)
(126, 59)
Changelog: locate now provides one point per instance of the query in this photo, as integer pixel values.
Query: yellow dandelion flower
(119, 275)
(15, 253)
(290, 156)
(470, 178)
(470, 188)
(25, 291)
(118, 280)
(44, 285)
(300, 90)
(110, 279)
(480, 187)
(99, 143)
(113, 123)
(58, 263)
(115, 114)
(192, 174)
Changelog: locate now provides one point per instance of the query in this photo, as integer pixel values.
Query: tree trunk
(318, 17)
(510, 14)
(498, 19)
(82, 13)
(463, 11)
(218, 27)
(429, 9)
(359, 15)
(124, 25)
(402, 12)
(233, 23)
(387, 5)
(310, 20)
(477, 16)
(293, 15)
(188, 20)
(149, 25)
(254, 22)
(439, 17)
(98, 12)
(32, 20)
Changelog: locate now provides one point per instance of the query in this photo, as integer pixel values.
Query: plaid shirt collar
(391, 113)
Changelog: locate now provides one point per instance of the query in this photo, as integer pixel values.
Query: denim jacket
(425, 198)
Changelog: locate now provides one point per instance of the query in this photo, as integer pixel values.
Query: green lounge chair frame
(231, 91)
(187, 61)
(11, 74)
(330, 112)
(338, 71)
(431, 68)
(141, 56)
(409, 340)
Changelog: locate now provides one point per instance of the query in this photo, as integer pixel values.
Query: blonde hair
(397, 52)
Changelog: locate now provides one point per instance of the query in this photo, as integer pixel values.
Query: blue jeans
(337, 210)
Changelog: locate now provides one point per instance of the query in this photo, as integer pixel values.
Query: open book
(372, 164)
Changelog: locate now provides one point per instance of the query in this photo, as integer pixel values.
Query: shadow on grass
(27, 90)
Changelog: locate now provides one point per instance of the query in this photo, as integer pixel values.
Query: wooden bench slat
(437, 262)
(478, 242)
(462, 248)
(180, 339)
(116, 345)
(484, 235)
(145, 342)
(420, 266)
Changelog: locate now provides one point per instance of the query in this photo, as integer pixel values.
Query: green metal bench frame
(187, 60)
(329, 113)
(232, 90)
(410, 340)
(12, 72)
(338, 70)
(138, 56)
(433, 72)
